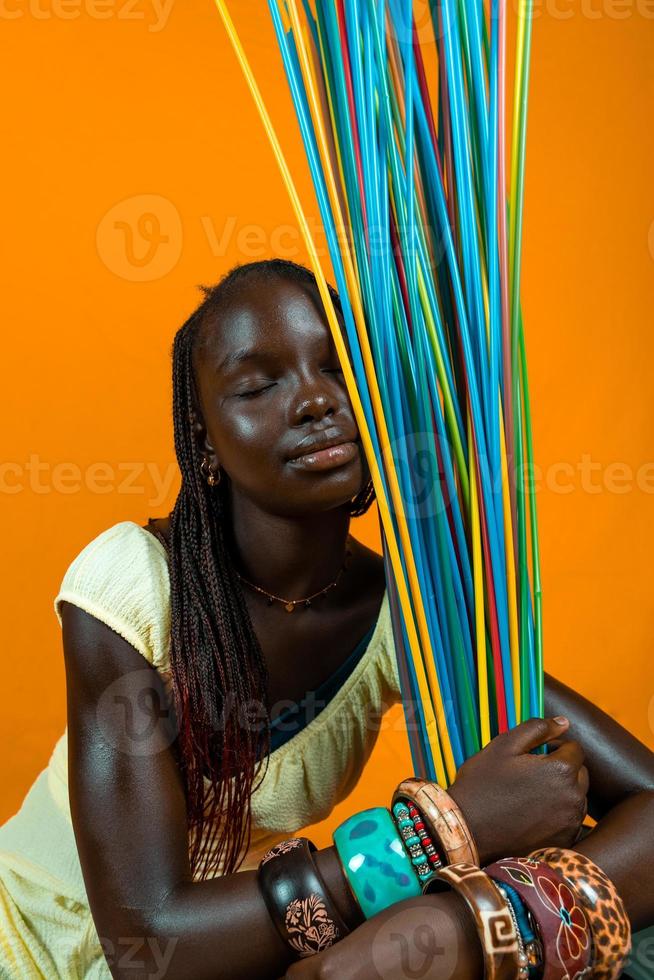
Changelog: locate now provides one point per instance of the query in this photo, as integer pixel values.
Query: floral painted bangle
(297, 898)
(443, 817)
(493, 920)
(561, 920)
(374, 860)
(609, 922)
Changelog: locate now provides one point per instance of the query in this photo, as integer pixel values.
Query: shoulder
(121, 578)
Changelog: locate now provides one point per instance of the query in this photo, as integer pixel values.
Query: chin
(341, 495)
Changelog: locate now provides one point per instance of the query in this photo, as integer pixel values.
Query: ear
(202, 443)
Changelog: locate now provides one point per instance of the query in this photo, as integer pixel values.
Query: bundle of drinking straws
(404, 129)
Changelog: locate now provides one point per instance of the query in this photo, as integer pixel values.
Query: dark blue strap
(292, 720)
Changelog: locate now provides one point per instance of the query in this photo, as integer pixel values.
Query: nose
(314, 400)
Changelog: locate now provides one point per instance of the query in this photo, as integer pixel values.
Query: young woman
(224, 666)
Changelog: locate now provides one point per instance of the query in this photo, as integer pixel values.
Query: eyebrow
(242, 356)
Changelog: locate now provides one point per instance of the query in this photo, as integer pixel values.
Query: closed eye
(251, 394)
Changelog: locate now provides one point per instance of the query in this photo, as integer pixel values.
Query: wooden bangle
(443, 817)
(493, 920)
(297, 898)
(609, 922)
(557, 910)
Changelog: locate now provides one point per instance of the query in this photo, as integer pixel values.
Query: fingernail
(561, 720)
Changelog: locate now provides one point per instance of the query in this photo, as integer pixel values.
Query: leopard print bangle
(610, 926)
(297, 898)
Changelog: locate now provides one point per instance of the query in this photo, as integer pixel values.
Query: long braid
(217, 665)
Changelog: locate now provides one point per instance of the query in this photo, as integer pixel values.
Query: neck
(290, 557)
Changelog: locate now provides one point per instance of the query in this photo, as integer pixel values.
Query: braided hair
(217, 665)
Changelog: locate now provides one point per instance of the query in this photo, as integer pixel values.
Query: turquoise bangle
(375, 861)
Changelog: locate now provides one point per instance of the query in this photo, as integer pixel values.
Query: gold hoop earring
(210, 477)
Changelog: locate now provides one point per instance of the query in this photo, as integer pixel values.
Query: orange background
(115, 107)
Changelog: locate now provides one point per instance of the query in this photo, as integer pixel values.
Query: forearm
(221, 928)
(618, 763)
(429, 936)
(621, 798)
(622, 844)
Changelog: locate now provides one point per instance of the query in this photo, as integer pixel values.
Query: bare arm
(618, 763)
(129, 817)
(620, 797)
(433, 932)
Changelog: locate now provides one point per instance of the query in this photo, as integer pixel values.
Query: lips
(315, 443)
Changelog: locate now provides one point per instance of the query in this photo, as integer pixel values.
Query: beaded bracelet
(416, 841)
(495, 924)
(562, 923)
(434, 857)
(443, 817)
(609, 922)
(375, 861)
(530, 947)
(297, 898)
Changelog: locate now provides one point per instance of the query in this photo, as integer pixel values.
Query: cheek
(246, 442)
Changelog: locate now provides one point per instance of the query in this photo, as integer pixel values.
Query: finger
(583, 778)
(530, 734)
(570, 754)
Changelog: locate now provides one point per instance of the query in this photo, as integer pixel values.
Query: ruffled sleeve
(121, 578)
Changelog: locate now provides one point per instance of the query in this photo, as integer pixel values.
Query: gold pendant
(289, 607)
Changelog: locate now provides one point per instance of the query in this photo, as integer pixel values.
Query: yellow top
(121, 578)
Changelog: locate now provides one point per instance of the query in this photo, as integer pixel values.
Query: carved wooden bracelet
(297, 898)
(493, 920)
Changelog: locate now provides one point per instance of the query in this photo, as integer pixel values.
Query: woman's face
(272, 393)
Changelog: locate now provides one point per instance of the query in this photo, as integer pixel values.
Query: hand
(514, 801)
